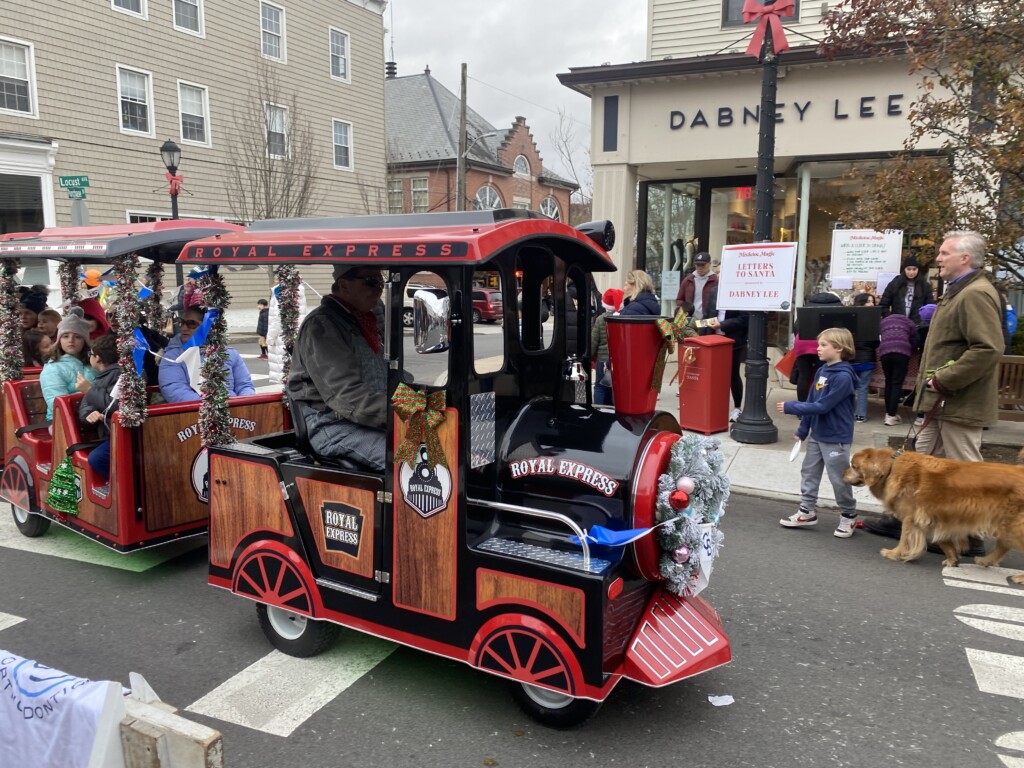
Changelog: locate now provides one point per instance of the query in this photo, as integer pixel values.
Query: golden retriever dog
(948, 500)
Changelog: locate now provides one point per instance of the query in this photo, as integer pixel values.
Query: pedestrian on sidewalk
(898, 340)
(957, 387)
(611, 302)
(864, 354)
(826, 423)
(262, 323)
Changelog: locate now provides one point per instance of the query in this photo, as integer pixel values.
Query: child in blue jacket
(826, 424)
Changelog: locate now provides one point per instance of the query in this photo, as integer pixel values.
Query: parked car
(487, 305)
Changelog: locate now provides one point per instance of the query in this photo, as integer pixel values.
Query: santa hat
(611, 299)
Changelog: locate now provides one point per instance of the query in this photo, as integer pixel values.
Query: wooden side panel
(230, 518)
(566, 604)
(344, 528)
(104, 518)
(425, 547)
(171, 445)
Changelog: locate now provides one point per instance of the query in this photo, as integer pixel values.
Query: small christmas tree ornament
(679, 500)
(685, 484)
(63, 493)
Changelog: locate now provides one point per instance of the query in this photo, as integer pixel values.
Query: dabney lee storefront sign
(724, 116)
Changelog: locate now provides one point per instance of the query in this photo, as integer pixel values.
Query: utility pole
(460, 161)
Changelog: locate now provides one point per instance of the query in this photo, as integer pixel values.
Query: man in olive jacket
(960, 362)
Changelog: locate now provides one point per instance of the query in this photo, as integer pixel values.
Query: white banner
(860, 254)
(757, 277)
(48, 719)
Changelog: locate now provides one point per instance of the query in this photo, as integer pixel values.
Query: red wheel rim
(14, 487)
(271, 579)
(527, 657)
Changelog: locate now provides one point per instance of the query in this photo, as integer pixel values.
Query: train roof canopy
(469, 238)
(157, 240)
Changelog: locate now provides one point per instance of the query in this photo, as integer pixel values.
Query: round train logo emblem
(426, 488)
(201, 476)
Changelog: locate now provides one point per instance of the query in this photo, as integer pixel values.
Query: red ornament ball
(679, 500)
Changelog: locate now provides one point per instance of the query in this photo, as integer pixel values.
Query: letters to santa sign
(757, 277)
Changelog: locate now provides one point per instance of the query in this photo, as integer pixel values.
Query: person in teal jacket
(68, 370)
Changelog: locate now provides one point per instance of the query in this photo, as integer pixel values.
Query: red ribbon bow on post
(765, 15)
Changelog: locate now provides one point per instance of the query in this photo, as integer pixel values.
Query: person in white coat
(275, 340)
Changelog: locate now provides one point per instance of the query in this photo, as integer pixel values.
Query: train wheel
(553, 709)
(293, 633)
(30, 524)
(534, 662)
(270, 578)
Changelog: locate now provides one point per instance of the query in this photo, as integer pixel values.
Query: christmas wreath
(693, 493)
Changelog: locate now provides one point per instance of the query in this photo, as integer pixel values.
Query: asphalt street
(841, 658)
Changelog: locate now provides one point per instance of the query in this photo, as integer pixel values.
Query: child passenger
(826, 424)
(98, 405)
(67, 370)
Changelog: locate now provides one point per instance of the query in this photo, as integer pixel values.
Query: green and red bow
(425, 413)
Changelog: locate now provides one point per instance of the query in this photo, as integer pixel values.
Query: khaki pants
(955, 441)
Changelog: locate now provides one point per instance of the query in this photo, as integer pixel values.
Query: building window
(134, 7)
(521, 166)
(188, 16)
(17, 78)
(277, 130)
(487, 198)
(339, 55)
(732, 13)
(135, 95)
(272, 29)
(342, 144)
(396, 196)
(520, 204)
(193, 108)
(420, 195)
(549, 207)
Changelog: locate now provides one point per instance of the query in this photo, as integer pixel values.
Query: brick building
(504, 167)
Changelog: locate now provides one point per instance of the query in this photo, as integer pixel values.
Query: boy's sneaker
(800, 519)
(845, 528)
(892, 421)
(919, 421)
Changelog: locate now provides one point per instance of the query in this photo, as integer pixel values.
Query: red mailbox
(704, 383)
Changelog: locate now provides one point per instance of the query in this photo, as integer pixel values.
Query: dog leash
(927, 420)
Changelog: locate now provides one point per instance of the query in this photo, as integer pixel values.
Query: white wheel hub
(290, 626)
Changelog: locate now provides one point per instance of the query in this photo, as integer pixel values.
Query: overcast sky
(513, 52)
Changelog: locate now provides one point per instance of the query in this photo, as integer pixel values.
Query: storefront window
(671, 237)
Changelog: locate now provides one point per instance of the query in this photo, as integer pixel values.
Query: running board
(348, 590)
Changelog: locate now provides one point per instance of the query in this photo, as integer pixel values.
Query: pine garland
(68, 272)
(213, 410)
(152, 310)
(132, 391)
(288, 279)
(12, 359)
(695, 468)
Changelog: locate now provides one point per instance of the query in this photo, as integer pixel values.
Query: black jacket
(645, 303)
(262, 322)
(735, 325)
(894, 298)
(98, 399)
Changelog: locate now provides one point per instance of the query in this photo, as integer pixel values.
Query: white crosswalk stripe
(998, 673)
(9, 620)
(279, 693)
(999, 620)
(970, 576)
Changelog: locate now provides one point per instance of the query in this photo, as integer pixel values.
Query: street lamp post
(170, 153)
(754, 425)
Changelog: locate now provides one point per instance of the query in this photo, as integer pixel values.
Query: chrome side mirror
(431, 325)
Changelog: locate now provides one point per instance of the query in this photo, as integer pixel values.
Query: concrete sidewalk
(765, 470)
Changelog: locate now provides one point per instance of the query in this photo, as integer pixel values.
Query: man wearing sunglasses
(338, 375)
(175, 384)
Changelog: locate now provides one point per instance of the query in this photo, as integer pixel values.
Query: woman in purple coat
(898, 339)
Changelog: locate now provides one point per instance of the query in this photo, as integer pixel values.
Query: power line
(531, 103)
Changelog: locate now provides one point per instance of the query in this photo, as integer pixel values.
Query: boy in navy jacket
(826, 423)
